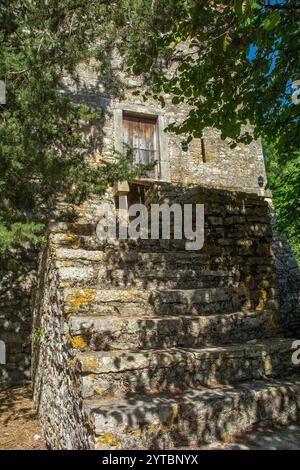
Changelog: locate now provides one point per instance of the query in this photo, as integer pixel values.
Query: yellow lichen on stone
(75, 245)
(80, 297)
(98, 157)
(268, 366)
(166, 426)
(175, 411)
(66, 264)
(263, 297)
(83, 208)
(73, 362)
(100, 390)
(135, 432)
(214, 368)
(121, 325)
(132, 293)
(108, 441)
(71, 237)
(90, 363)
(78, 342)
(153, 428)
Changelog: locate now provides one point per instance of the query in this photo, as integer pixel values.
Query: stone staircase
(147, 346)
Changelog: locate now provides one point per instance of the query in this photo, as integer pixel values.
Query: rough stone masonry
(147, 345)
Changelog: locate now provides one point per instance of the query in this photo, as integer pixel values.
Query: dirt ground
(19, 425)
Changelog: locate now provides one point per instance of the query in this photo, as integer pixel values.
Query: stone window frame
(163, 141)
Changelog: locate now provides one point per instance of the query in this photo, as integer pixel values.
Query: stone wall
(288, 278)
(16, 320)
(237, 168)
(238, 238)
(55, 392)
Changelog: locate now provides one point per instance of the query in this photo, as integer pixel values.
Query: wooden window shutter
(141, 133)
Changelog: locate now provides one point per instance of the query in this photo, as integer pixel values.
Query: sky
(253, 49)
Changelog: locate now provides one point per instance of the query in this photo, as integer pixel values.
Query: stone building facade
(209, 161)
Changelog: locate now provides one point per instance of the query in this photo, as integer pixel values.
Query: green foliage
(284, 180)
(215, 76)
(37, 335)
(42, 148)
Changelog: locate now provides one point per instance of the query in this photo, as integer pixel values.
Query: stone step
(143, 278)
(110, 256)
(120, 373)
(139, 302)
(90, 230)
(216, 244)
(89, 241)
(132, 259)
(194, 417)
(107, 333)
(143, 264)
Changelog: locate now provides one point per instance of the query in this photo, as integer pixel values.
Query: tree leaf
(238, 6)
(272, 21)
